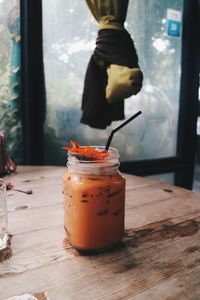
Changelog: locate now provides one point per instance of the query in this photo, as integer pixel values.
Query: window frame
(33, 97)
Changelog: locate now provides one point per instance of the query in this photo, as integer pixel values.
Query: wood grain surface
(159, 257)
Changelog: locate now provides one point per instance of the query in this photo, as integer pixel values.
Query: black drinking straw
(119, 127)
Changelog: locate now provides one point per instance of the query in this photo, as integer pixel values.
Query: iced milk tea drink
(94, 200)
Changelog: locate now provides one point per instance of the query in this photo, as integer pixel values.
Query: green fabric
(109, 13)
(109, 22)
(123, 82)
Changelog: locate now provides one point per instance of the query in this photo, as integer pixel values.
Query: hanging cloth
(113, 73)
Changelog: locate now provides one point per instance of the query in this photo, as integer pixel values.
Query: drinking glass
(94, 192)
(3, 215)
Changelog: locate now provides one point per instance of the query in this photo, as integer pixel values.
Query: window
(10, 90)
(69, 32)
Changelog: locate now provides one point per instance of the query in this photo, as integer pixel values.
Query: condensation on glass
(69, 39)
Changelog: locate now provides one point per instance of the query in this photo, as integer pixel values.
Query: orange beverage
(94, 200)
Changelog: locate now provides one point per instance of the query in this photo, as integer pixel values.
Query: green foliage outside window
(10, 89)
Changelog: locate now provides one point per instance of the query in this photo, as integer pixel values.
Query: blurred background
(44, 51)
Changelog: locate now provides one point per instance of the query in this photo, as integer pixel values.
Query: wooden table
(158, 259)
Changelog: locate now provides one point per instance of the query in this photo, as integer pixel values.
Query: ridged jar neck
(88, 164)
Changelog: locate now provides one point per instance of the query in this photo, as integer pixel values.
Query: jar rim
(105, 165)
(88, 157)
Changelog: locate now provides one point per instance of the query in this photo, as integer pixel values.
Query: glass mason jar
(94, 201)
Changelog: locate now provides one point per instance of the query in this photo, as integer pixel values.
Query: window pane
(69, 40)
(10, 119)
(155, 134)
